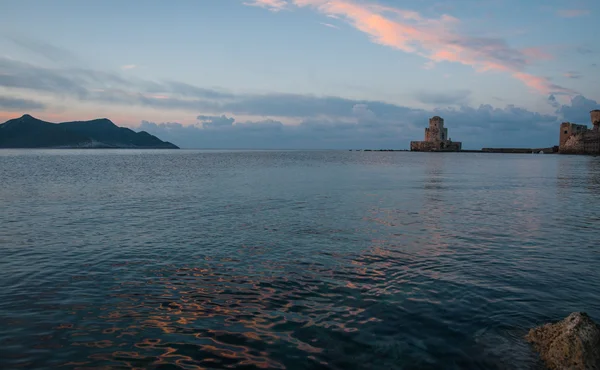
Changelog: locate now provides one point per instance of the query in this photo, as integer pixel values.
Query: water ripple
(290, 260)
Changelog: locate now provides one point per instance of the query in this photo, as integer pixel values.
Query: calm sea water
(287, 259)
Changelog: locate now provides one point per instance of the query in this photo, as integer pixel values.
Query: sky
(305, 74)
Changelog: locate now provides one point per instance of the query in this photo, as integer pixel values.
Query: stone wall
(422, 146)
(591, 142)
(578, 139)
(435, 146)
(568, 129)
(572, 145)
(583, 143)
(453, 146)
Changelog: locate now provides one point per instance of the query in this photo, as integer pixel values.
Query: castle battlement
(579, 139)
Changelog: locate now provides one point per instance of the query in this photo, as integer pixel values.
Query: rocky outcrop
(573, 343)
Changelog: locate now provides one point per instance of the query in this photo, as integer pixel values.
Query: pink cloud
(436, 39)
(534, 82)
(536, 54)
(445, 55)
(572, 13)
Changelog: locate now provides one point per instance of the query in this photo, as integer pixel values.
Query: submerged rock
(573, 343)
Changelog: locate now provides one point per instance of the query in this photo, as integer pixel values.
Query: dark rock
(30, 132)
(573, 343)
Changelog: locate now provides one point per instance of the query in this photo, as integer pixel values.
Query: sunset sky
(305, 73)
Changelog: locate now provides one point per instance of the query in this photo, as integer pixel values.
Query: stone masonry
(578, 139)
(436, 139)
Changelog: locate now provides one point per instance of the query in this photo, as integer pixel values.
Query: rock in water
(573, 343)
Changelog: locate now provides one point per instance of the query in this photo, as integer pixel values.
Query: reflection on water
(594, 173)
(291, 260)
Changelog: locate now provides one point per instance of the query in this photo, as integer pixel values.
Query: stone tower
(595, 116)
(436, 139)
(436, 130)
(565, 133)
(568, 129)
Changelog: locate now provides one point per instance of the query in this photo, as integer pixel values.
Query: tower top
(595, 117)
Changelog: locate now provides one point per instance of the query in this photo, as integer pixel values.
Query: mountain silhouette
(30, 132)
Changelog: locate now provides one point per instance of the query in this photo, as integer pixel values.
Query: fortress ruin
(578, 139)
(436, 139)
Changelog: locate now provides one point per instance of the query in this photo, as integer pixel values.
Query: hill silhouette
(30, 132)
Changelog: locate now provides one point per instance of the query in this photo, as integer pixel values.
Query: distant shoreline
(484, 150)
(89, 148)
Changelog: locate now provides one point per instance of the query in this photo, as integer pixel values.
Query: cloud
(46, 50)
(215, 121)
(553, 102)
(367, 126)
(224, 132)
(187, 90)
(584, 50)
(451, 98)
(363, 113)
(542, 84)
(15, 74)
(273, 134)
(272, 5)
(296, 105)
(572, 13)
(429, 65)
(578, 111)
(536, 54)
(573, 75)
(292, 120)
(329, 25)
(93, 85)
(129, 66)
(435, 39)
(19, 105)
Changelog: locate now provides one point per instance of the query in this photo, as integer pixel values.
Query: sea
(239, 259)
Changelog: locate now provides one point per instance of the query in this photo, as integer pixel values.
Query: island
(30, 132)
